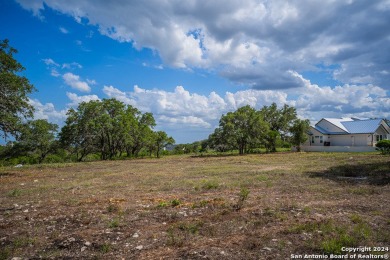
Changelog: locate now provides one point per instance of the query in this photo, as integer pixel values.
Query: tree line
(247, 128)
(108, 129)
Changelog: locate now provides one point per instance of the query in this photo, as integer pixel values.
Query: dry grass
(194, 207)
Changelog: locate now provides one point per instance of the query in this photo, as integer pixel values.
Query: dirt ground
(264, 206)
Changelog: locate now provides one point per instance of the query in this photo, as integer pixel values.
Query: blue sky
(189, 62)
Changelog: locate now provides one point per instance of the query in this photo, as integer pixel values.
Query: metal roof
(362, 126)
(351, 125)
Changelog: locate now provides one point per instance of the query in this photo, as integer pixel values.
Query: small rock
(164, 223)
(18, 166)
(267, 249)
(135, 235)
(16, 258)
(274, 240)
(87, 243)
(139, 247)
(83, 248)
(222, 253)
(25, 211)
(35, 180)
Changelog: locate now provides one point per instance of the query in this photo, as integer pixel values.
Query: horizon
(189, 63)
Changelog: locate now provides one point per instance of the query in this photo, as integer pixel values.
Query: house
(346, 134)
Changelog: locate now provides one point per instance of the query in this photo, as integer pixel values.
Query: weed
(210, 184)
(307, 210)
(200, 204)
(175, 202)
(262, 178)
(113, 208)
(192, 228)
(15, 193)
(173, 239)
(355, 218)
(113, 223)
(242, 196)
(162, 204)
(334, 245)
(362, 231)
(105, 248)
(5, 252)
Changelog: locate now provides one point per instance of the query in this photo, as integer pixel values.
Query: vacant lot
(266, 206)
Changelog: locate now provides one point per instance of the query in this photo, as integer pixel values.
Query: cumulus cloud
(75, 99)
(74, 82)
(47, 111)
(255, 43)
(181, 108)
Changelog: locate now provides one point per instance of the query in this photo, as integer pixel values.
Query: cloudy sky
(189, 62)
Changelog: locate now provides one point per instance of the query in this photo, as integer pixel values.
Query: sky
(189, 62)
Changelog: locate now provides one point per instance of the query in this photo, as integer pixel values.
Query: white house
(346, 134)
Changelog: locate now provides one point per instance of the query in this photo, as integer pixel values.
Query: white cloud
(249, 42)
(183, 108)
(47, 111)
(50, 62)
(74, 81)
(63, 30)
(72, 65)
(76, 99)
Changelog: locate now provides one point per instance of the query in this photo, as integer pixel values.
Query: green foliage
(110, 128)
(175, 202)
(242, 196)
(14, 90)
(15, 193)
(113, 223)
(38, 136)
(299, 132)
(383, 146)
(247, 129)
(243, 129)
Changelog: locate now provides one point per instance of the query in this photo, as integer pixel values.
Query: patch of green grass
(105, 248)
(262, 178)
(175, 202)
(114, 223)
(334, 245)
(355, 218)
(162, 204)
(207, 185)
(15, 193)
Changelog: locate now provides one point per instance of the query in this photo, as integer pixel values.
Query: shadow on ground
(369, 173)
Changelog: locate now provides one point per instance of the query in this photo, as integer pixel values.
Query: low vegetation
(265, 206)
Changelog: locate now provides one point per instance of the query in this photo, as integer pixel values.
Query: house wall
(338, 148)
(328, 126)
(350, 140)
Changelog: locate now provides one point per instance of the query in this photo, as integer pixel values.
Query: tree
(162, 140)
(279, 121)
(108, 127)
(38, 136)
(299, 132)
(14, 90)
(242, 129)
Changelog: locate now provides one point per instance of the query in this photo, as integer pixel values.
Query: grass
(186, 207)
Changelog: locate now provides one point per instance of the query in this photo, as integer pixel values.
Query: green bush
(53, 158)
(383, 146)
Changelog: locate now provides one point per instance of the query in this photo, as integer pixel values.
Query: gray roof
(362, 126)
(352, 125)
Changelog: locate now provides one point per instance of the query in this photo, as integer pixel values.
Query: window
(379, 138)
(312, 139)
(321, 139)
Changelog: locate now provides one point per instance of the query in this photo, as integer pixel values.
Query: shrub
(383, 146)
